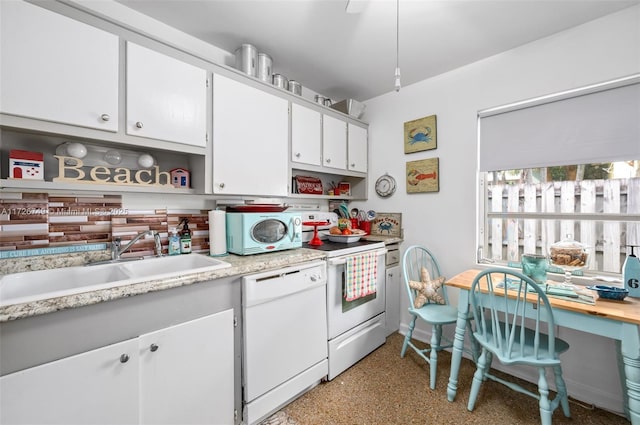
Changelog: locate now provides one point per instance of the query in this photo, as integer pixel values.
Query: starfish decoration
(427, 289)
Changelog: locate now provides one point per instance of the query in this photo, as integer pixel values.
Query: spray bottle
(631, 273)
(174, 242)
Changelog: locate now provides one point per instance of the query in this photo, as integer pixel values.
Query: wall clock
(385, 185)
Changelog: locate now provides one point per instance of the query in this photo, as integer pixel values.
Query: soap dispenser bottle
(631, 273)
(174, 242)
(185, 237)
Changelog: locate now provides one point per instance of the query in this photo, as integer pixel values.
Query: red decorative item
(315, 241)
(309, 185)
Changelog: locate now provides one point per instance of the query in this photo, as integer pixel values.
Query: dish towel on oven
(361, 275)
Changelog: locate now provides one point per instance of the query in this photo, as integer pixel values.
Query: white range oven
(355, 328)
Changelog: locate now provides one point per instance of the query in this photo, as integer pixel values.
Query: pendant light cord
(397, 73)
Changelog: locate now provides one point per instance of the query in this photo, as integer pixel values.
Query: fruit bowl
(610, 292)
(354, 237)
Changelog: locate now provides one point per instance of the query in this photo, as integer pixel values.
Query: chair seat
(544, 358)
(440, 314)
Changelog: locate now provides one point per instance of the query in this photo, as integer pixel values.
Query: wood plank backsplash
(29, 221)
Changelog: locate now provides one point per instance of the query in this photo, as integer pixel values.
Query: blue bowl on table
(610, 292)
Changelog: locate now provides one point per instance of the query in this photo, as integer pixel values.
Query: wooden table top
(627, 310)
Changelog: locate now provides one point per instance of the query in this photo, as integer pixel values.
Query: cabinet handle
(328, 160)
(298, 155)
(221, 185)
(124, 358)
(153, 347)
(105, 117)
(139, 124)
(353, 165)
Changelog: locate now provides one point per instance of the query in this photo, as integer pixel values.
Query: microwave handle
(292, 229)
(343, 260)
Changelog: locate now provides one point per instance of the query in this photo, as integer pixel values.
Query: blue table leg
(458, 343)
(629, 365)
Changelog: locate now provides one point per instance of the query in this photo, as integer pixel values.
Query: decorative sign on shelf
(387, 224)
(420, 134)
(70, 170)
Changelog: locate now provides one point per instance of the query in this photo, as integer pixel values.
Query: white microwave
(255, 233)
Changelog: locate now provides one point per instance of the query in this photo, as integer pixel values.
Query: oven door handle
(343, 260)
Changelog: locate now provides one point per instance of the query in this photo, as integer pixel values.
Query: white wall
(603, 49)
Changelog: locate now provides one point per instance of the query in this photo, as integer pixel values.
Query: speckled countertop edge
(240, 265)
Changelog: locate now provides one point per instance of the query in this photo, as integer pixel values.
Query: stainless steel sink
(43, 284)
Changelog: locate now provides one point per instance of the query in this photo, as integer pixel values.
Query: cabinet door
(95, 387)
(357, 146)
(305, 135)
(186, 372)
(57, 69)
(250, 140)
(394, 289)
(166, 98)
(334, 143)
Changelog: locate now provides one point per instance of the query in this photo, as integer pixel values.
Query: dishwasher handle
(343, 260)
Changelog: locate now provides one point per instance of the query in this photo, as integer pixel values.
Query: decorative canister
(320, 99)
(265, 67)
(280, 81)
(295, 87)
(327, 102)
(246, 59)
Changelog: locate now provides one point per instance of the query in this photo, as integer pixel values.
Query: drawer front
(393, 257)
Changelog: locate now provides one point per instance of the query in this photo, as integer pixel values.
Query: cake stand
(315, 241)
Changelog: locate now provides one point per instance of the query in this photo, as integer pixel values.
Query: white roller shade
(590, 125)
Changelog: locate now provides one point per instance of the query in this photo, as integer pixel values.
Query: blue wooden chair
(501, 300)
(415, 259)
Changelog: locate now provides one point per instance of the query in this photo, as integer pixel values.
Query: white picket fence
(582, 202)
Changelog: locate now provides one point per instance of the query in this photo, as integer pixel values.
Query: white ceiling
(343, 55)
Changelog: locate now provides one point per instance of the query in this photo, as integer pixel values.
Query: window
(558, 166)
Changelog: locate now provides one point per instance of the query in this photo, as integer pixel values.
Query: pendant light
(397, 74)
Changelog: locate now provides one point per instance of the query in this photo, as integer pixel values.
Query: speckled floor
(384, 389)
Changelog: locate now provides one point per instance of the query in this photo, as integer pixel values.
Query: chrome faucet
(117, 251)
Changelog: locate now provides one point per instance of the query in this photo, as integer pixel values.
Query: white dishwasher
(285, 336)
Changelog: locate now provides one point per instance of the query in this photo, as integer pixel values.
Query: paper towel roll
(217, 232)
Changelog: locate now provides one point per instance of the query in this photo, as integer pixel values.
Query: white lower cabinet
(96, 387)
(186, 373)
(183, 374)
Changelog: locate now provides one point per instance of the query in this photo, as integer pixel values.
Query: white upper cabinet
(166, 98)
(57, 69)
(334, 143)
(250, 140)
(357, 148)
(306, 142)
